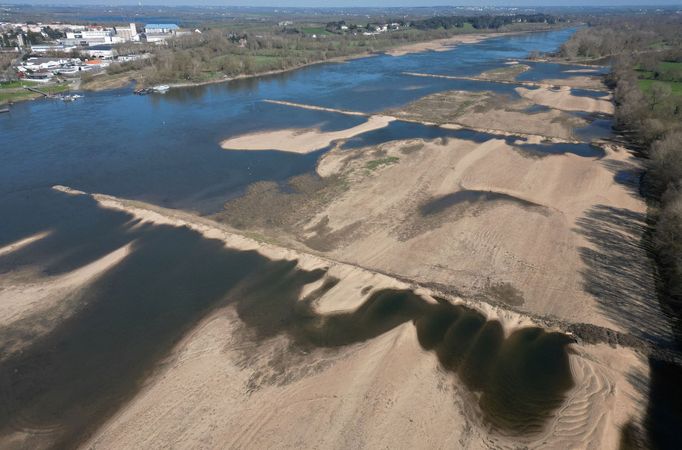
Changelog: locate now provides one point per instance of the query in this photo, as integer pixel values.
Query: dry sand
(215, 390)
(509, 72)
(439, 45)
(473, 109)
(514, 234)
(392, 395)
(300, 141)
(563, 99)
(594, 82)
(393, 392)
(539, 233)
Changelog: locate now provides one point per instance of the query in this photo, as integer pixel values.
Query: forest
(482, 22)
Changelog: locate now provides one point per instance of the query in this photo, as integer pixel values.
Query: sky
(356, 3)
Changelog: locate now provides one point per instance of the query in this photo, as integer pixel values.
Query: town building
(49, 48)
(160, 32)
(100, 51)
(127, 34)
(86, 38)
(161, 28)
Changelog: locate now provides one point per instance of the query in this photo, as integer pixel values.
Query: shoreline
(400, 50)
(447, 43)
(584, 333)
(437, 44)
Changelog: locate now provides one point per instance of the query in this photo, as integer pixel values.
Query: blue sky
(322, 3)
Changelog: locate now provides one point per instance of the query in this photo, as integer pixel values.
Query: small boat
(161, 89)
(70, 98)
(4, 110)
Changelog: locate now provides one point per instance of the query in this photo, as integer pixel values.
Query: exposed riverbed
(136, 311)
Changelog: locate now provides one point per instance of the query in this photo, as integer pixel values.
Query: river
(165, 150)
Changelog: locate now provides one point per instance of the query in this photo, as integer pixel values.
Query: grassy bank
(15, 91)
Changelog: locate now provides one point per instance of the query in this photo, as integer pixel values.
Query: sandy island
(300, 141)
(563, 99)
(438, 45)
(519, 236)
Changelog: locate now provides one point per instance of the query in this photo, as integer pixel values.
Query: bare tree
(659, 94)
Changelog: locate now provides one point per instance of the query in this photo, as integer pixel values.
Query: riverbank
(220, 353)
(438, 44)
(458, 286)
(16, 91)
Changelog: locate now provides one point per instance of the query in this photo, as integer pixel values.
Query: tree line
(481, 22)
(651, 119)
(218, 52)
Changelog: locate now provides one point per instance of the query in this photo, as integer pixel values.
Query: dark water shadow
(583, 150)
(401, 130)
(659, 429)
(522, 379)
(125, 322)
(589, 93)
(67, 382)
(537, 108)
(470, 197)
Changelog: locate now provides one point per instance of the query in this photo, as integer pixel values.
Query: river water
(165, 150)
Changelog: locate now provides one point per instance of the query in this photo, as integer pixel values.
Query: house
(93, 36)
(48, 48)
(42, 64)
(126, 34)
(161, 28)
(39, 77)
(159, 32)
(100, 51)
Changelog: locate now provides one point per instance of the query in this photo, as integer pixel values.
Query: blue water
(165, 149)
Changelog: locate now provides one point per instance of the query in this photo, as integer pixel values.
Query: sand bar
(563, 99)
(301, 141)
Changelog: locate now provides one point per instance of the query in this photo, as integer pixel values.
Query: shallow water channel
(74, 372)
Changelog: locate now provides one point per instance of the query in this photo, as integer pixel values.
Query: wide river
(165, 149)
(75, 372)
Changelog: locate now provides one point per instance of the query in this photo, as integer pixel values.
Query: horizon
(351, 4)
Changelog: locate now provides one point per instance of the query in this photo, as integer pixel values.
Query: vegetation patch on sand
(594, 82)
(506, 73)
(376, 163)
(497, 214)
(495, 112)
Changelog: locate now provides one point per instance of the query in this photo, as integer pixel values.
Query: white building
(90, 37)
(126, 34)
(161, 28)
(159, 32)
(100, 51)
(42, 64)
(47, 48)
